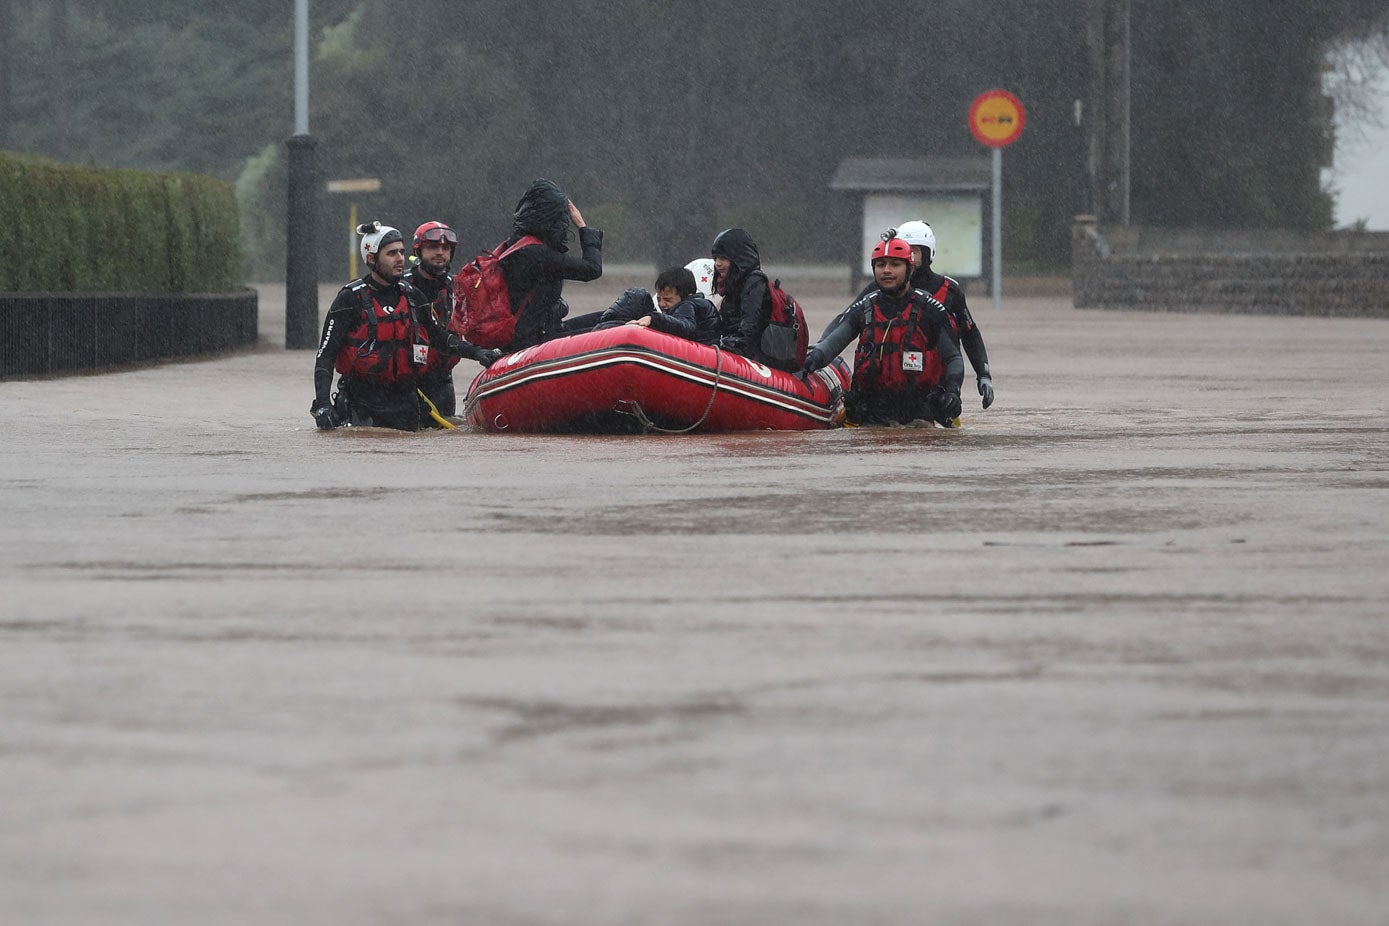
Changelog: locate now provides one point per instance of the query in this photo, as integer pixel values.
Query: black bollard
(301, 251)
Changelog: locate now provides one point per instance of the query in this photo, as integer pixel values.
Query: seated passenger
(681, 310)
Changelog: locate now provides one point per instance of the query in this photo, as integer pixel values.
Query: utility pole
(58, 66)
(1109, 126)
(6, 71)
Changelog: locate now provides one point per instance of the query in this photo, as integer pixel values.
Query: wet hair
(679, 279)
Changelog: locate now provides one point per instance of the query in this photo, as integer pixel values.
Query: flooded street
(1116, 652)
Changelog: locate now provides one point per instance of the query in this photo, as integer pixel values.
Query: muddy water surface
(1114, 652)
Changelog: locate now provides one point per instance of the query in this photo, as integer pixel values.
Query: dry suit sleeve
(949, 353)
(846, 326)
(335, 328)
(971, 339)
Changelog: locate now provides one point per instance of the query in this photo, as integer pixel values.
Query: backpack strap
(524, 241)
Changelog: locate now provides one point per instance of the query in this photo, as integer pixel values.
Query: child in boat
(681, 310)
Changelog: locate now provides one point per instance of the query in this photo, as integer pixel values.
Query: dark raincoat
(535, 275)
(747, 299)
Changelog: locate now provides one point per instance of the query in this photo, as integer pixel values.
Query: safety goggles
(440, 234)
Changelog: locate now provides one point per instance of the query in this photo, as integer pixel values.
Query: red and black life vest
(878, 361)
(380, 349)
(442, 307)
(939, 295)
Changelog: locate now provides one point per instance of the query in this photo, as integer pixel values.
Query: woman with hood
(535, 274)
(747, 299)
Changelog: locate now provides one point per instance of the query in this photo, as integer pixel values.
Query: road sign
(996, 118)
(361, 185)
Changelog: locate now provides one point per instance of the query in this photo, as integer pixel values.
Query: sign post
(359, 185)
(996, 119)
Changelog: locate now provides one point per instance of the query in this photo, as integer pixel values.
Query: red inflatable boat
(630, 379)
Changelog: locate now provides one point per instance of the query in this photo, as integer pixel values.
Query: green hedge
(89, 229)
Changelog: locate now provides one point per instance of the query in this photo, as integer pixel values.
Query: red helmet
(434, 231)
(894, 247)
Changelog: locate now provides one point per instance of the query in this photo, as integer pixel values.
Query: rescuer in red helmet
(907, 366)
(432, 248)
(950, 294)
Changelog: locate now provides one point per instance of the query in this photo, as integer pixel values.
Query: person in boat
(535, 274)
(377, 336)
(632, 304)
(746, 309)
(681, 309)
(702, 268)
(949, 293)
(432, 249)
(898, 327)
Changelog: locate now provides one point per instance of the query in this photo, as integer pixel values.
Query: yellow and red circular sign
(996, 118)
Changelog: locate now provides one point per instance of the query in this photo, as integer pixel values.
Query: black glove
(487, 356)
(814, 360)
(986, 389)
(950, 405)
(734, 343)
(944, 405)
(325, 418)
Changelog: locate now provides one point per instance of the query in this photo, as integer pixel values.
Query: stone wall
(43, 333)
(1272, 273)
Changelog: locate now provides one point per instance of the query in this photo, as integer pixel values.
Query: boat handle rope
(434, 413)
(647, 425)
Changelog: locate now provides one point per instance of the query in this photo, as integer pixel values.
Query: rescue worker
(747, 298)
(377, 336)
(535, 274)
(948, 292)
(433, 246)
(898, 327)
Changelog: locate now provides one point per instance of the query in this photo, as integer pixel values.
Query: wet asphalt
(1115, 652)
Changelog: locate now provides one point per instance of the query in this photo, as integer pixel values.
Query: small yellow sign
(996, 118)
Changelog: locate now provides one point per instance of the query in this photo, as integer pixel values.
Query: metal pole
(352, 243)
(301, 256)
(1126, 175)
(301, 67)
(996, 284)
(301, 252)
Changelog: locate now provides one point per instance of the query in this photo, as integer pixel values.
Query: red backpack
(482, 311)
(786, 337)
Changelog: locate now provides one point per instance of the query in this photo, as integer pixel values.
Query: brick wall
(42, 333)
(1271, 273)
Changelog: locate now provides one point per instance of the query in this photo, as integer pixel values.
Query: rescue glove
(814, 360)
(733, 342)
(986, 389)
(489, 356)
(325, 418)
(946, 404)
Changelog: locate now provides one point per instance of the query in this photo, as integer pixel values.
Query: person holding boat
(432, 254)
(906, 367)
(377, 336)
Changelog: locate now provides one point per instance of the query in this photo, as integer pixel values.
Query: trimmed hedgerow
(65, 228)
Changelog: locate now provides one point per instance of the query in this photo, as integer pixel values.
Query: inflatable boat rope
(647, 425)
(434, 413)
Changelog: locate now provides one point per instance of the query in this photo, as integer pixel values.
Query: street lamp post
(301, 276)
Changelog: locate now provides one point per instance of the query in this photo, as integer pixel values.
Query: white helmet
(376, 236)
(703, 270)
(919, 234)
